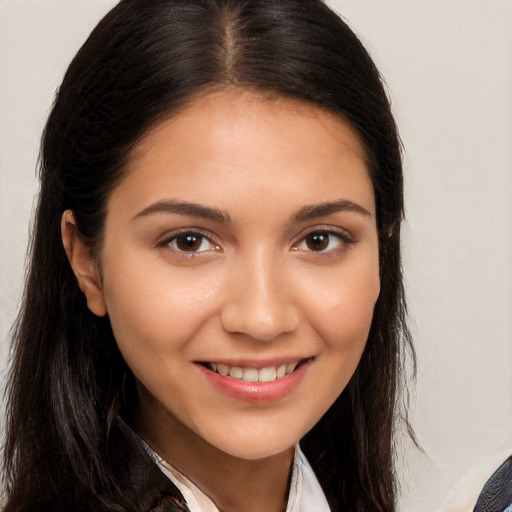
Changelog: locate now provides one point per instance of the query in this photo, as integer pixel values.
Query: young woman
(215, 270)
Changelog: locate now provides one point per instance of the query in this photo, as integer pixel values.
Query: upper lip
(256, 363)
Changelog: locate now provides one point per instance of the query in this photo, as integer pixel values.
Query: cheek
(341, 307)
(155, 309)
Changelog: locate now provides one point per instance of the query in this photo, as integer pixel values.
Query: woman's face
(242, 241)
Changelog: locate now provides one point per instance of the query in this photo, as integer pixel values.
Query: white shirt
(306, 495)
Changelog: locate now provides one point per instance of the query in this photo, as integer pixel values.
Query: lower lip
(257, 391)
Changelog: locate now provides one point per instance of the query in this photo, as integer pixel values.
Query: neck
(232, 483)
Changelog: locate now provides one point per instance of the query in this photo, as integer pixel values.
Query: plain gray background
(448, 68)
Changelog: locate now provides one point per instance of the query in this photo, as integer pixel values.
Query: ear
(83, 265)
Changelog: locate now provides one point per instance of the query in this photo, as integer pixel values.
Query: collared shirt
(305, 495)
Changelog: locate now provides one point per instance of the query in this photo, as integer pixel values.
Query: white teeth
(268, 374)
(223, 369)
(290, 367)
(250, 375)
(236, 372)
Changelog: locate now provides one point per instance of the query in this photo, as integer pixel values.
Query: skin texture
(255, 290)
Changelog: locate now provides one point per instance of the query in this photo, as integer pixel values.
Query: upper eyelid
(166, 243)
(326, 228)
(171, 235)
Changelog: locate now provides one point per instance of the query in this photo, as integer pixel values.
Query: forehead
(243, 141)
(225, 109)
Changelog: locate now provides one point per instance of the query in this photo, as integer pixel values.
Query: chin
(252, 444)
(257, 451)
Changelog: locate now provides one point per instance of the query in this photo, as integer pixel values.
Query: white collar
(305, 495)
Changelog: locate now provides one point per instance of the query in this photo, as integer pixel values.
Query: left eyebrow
(321, 210)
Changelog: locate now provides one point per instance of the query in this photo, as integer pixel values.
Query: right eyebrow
(186, 208)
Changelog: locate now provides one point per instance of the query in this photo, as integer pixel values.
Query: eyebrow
(321, 210)
(306, 213)
(186, 208)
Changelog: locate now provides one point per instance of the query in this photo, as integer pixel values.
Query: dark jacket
(138, 471)
(496, 495)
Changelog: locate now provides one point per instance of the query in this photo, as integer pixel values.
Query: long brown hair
(142, 63)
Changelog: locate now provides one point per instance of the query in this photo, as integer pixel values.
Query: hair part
(143, 63)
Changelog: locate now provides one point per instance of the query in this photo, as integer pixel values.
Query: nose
(259, 299)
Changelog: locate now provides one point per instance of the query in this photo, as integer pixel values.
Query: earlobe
(82, 264)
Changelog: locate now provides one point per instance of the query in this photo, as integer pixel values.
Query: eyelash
(342, 238)
(175, 237)
(172, 241)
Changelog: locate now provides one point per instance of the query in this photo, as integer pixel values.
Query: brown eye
(317, 241)
(324, 241)
(190, 242)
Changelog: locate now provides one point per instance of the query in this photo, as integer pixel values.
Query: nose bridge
(258, 300)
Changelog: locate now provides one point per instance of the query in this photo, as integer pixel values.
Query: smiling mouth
(248, 374)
